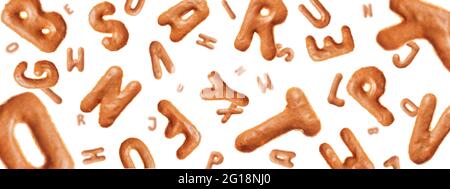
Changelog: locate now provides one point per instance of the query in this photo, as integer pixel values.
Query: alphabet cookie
(425, 141)
(107, 94)
(174, 17)
(283, 158)
(93, 155)
(358, 160)
(41, 67)
(78, 63)
(332, 98)
(27, 108)
(45, 30)
(141, 148)
(298, 115)
(325, 16)
(263, 25)
(116, 28)
(216, 158)
(136, 10)
(420, 20)
(178, 124)
(158, 54)
(330, 48)
(221, 91)
(369, 99)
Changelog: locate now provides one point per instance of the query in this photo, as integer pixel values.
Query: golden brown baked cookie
(227, 8)
(206, 41)
(93, 155)
(216, 158)
(393, 162)
(27, 108)
(420, 20)
(118, 31)
(107, 94)
(405, 63)
(325, 16)
(287, 52)
(158, 54)
(178, 124)
(78, 63)
(369, 99)
(228, 112)
(298, 115)
(358, 160)
(136, 10)
(331, 48)
(283, 158)
(141, 148)
(41, 67)
(425, 142)
(174, 17)
(45, 30)
(221, 91)
(263, 25)
(332, 99)
(406, 104)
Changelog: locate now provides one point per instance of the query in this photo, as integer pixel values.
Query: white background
(193, 63)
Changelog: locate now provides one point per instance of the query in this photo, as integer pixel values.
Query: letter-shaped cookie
(93, 155)
(332, 98)
(178, 124)
(420, 20)
(141, 148)
(40, 68)
(45, 30)
(174, 17)
(325, 16)
(424, 143)
(158, 54)
(405, 63)
(136, 10)
(27, 108)
(263, 25)
(358, 160)
(118, 30)
(78, 63)
(221, 91)
(282, 157)
(374, 78)
(330, 47)
(216, 158)
(107, 93)
(393, 162)
(298, 115)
